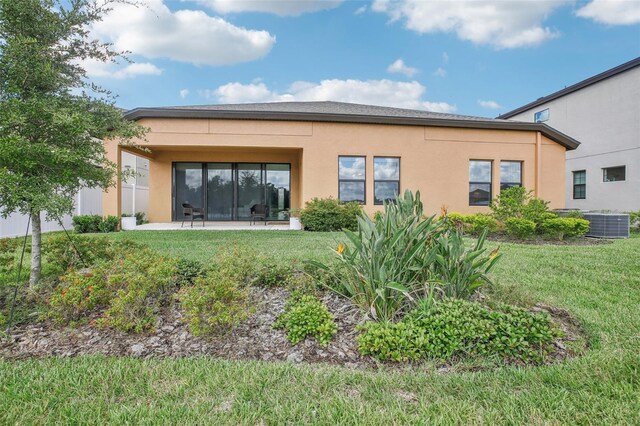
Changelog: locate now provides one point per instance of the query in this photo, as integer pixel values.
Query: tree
(52, 118)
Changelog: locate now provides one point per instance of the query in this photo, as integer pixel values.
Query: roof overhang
(139, 113)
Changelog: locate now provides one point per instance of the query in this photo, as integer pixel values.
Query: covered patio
(215, 226)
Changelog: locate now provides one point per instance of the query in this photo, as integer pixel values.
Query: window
(479, 182)
(541, 116)
(386, 179)
(614, 174)
(351, 179)
(579, 185)
(510, 174)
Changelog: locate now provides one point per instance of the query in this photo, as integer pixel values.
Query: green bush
(239, 263)
(94, 223)
(520, 228)
(272, 274)
(215, 302)
(328, 214)
(127, 290)
(140, 218)
(457, 329)
(187, 271)
(392, 261)
(86, 224)
(109, 224)
(565, 227)
(634, 221)
(575, 214)
(474, 224)
(304, 315)
(517, 202)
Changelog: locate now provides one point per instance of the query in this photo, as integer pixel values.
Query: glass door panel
(219, 191)
(278, 181)
(250, 189)
(188, 182)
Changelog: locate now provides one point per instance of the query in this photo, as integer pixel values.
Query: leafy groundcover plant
(304, 315)
(459, 329)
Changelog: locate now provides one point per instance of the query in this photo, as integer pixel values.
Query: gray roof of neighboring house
(342, 112)
(573, 88)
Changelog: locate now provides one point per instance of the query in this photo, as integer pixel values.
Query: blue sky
(468, 57)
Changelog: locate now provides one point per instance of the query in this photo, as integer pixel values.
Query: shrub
(187, 271)
(565, 227)
(391, 261)
(575, 214)
(109, 224)
(461, 329)
(239, 263)
(477, 223)
(328, 214)
(86, 224)
(93, 223)
(634, 221)
(272, 274)
(304, 315)
(139, 286)
(520, 228)
(129, 290)
(216, 301)
(516, 202)
(140, 218)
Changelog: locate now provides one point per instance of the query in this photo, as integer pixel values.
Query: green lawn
(599, 284)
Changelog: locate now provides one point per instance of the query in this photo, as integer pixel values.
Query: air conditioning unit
(607, 225)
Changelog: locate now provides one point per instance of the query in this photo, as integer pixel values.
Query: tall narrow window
(579, 185)
(614, 174)
(479, 182)
(386, 179)
(351, 179)
(510, 174)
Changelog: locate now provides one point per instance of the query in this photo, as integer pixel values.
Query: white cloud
(489, 104)
(440, 72)
(191, 36)
(276, 7)
(445, 58)
(612, 12)
(400, 67)
(502, 24)
(184, 93)
(110, 70)
(360, 10)
(375, 92)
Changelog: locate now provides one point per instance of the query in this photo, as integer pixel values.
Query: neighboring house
(603, 113)
(228, 158)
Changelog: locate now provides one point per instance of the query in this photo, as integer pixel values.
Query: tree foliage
(52, 118)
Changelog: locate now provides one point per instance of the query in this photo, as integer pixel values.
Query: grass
(600, 285)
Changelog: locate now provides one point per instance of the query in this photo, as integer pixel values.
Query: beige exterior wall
(433, 160)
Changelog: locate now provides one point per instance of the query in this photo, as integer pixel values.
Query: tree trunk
(36, 243)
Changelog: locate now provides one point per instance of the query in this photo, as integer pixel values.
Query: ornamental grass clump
(400, 257)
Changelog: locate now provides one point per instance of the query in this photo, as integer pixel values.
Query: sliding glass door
(220, 191)
(228, 191)
(187, 187)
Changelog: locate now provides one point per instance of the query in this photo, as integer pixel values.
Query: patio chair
(259, 211)
(188, 211)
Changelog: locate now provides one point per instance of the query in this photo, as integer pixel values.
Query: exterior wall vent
(607, 225)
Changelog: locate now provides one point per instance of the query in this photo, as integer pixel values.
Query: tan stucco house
(230, 158)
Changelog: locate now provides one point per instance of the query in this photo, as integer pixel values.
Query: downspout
(538, 165)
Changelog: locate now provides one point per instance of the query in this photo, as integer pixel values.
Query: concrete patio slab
(215, 226)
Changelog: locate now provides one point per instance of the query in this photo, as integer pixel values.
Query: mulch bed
(583, 241)
(254, 339)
